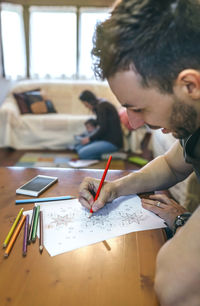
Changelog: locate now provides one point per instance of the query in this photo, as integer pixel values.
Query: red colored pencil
(101, 183)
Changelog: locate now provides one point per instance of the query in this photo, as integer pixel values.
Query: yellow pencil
(12, 228)
(14, 236)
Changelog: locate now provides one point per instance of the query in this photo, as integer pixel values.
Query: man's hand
(164, 207)
(85, 140)
(88, 189)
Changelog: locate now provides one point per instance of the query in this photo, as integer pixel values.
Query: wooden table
(91, 275)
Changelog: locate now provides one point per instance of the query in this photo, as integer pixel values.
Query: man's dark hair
(156, 38)
(89, 97)
(92, 122)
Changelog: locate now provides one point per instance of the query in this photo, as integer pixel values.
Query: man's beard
(183, 121)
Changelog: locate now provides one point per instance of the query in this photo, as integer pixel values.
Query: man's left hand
(164, 207)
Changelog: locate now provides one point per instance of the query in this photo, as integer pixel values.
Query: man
(149, 52)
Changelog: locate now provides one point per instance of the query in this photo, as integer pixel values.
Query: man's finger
(161, 197)
(158, 204)
(152, 208)
(97, 205)
(84, 203)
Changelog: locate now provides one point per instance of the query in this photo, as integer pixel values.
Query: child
(91, 127)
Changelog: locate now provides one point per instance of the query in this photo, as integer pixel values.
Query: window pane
(13, 41)
(88, 19)
(52, 42)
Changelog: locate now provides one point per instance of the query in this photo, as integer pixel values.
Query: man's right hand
(88, 189)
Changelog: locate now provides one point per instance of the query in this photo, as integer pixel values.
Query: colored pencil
(25, 235)
(12, 228)
(35, 224)
(31, 226)
(27, 201)
(101, 183)
(41, 233)
(14, 236)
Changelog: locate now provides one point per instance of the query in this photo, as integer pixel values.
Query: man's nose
(135, 119)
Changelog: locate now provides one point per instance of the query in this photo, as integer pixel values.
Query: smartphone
(37, 185)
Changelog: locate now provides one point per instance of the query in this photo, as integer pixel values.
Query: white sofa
(54, 130)
(186, 192)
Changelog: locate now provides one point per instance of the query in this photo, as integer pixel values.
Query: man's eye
(136, 110)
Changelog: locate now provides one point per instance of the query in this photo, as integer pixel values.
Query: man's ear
(188, 81)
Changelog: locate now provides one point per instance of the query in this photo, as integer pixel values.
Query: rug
(62, 160)
(33, 160)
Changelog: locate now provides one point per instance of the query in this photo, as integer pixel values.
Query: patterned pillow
(23, 107)
(32, 102)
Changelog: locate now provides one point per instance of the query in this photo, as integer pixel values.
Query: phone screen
(37, 184)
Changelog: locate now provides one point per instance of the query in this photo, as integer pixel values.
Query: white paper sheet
(67, 226)
(81, 163)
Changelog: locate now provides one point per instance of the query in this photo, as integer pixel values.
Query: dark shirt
(109, 124)
(191, 149)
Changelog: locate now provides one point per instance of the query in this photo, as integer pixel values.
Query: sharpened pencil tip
(90, 215)
(41, 248)
(4, 245)
(24, 254)
(5, 255)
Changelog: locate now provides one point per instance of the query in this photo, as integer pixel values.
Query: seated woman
(108, 137)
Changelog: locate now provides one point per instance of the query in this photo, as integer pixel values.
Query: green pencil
(35, 224)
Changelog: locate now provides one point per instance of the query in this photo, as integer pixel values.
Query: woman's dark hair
(88, 96)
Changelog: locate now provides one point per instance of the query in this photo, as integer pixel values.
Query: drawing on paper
(100, 220)
(67, 226)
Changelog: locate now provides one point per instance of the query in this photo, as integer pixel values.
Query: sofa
(54, 130)
(186, 192)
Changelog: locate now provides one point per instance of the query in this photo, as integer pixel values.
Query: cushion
(32, 102)
(42, 107)
(39, 107)
(23, 107)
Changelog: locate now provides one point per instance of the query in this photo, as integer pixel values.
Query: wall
(5, 86)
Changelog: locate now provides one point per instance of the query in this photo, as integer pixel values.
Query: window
(13, 41)
(88, 20)
(53, 42)
(57, 48)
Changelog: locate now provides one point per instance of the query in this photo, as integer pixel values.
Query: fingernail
(95, 208)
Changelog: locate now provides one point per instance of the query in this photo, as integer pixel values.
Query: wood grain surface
(120, 273)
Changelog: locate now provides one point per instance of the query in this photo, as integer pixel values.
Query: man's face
(151, 107)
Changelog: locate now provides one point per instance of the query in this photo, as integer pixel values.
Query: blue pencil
(27, 201)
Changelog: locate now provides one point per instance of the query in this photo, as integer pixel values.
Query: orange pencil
(14, 236)
(101, 183)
